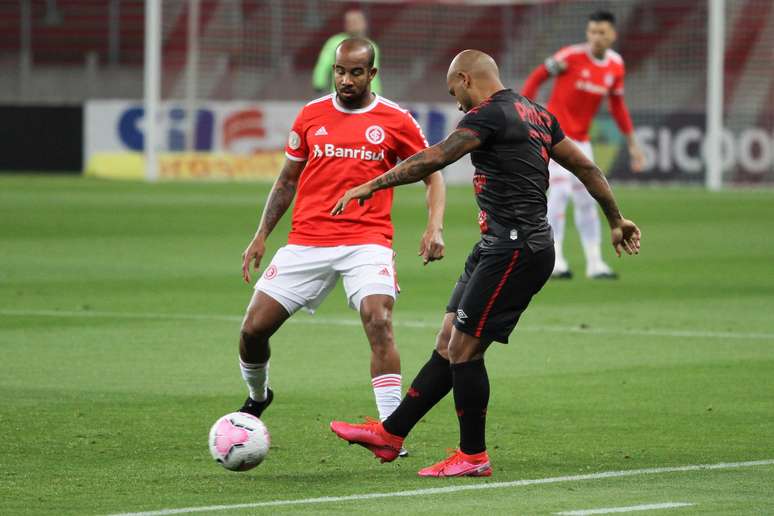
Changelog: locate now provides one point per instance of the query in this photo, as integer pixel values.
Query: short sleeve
(296, 148)
(409, 138)
(484, 120)
(557, 135)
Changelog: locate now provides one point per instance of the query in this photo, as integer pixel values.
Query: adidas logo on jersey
(321, 131)
(330, 150)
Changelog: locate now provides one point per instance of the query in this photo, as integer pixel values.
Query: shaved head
(475, 63)
(353, 72)
(472, 77)
(357, 49)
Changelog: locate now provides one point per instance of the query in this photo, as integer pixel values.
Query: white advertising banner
(228, 139)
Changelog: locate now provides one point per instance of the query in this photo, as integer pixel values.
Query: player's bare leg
(376, 314)
(263, 318)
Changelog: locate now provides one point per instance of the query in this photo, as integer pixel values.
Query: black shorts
(496, 287)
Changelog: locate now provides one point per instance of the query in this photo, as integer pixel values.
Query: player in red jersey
(584, 75)
(337, 141)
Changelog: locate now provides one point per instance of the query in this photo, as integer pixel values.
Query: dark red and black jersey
(511, 176)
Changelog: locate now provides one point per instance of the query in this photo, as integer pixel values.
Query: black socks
(433, 382)
(471, 397)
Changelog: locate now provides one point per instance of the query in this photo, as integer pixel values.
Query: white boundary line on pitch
(456, 489)
(631, 508)
(398, 322)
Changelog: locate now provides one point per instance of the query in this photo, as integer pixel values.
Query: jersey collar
(596, 60)
(366, 109)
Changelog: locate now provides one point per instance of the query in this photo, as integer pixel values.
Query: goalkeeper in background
(355, 26)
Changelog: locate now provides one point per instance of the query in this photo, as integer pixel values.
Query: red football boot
(460, 464)
(371, 435)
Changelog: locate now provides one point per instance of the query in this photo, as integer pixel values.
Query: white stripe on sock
(256, 376)
(387, 393)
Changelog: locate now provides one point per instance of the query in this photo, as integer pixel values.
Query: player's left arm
(417, 167)
(432, 246)
(624, 121)
(625, 235)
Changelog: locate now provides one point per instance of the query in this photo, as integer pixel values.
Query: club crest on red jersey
(374, 134)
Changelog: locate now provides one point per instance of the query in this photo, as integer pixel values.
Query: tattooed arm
(280, 197)
(415, 168)
(625, 234)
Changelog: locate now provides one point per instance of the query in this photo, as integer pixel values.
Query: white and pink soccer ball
(239, 441)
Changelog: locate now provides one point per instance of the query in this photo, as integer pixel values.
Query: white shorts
(302, 276)
(558, 174)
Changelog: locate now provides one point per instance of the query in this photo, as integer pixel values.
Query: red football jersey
(342, 149)
(580, 88)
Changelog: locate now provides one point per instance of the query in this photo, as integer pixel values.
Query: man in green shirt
(355, 26)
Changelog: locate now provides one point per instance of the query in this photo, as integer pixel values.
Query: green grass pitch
(119, 314)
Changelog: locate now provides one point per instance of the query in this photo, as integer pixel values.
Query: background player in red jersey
(510, 140)
(337, 141)
(584, 74)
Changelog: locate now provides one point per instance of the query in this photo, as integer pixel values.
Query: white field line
(631, 508)
(335, 321)
(456, 488)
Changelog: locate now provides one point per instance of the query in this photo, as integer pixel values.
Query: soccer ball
(239, 441)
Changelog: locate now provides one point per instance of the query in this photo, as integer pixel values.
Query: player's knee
(253, 332)
(442, 339)
(379, 331)
(379, 326)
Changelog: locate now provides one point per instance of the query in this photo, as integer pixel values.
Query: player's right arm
(280, 198)
(281, 195)
(625, 235)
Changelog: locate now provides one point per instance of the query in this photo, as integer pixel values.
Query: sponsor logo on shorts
(271, 272)
(375, 134)
(461, 316)
(385, 272)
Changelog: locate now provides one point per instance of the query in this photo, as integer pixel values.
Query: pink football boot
(371, 435)
(460, 464)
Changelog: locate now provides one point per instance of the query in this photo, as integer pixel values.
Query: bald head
(356, 49)
(475, 63)
(473, 76)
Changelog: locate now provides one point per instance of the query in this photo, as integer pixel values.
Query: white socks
(387, 393)
(257, 378)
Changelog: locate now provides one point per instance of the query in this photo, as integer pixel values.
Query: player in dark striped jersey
(511, 140)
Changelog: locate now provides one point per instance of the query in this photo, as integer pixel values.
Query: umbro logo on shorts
(461, 316)
(321, 131)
